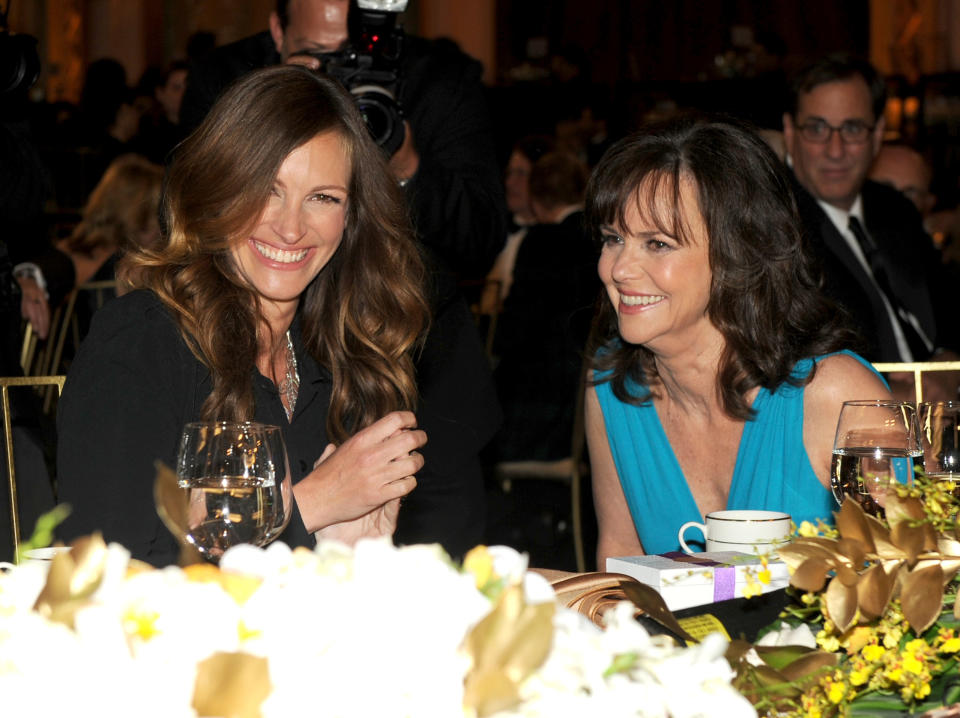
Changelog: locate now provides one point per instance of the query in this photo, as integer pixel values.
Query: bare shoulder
(840, 378)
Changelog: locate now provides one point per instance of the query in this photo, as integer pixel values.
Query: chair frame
(917, 369)
(5, 384)
(571, 468)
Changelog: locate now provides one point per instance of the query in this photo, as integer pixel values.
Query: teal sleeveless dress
(772, 471)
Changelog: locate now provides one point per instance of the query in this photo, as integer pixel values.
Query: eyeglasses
(852, 132)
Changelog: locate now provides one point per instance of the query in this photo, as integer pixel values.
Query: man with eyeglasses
(877, 262)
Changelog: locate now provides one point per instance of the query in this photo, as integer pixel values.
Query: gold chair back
(5, 384)
(570, 469)
(918, 369)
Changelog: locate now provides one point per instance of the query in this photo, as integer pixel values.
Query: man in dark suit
(877, 261)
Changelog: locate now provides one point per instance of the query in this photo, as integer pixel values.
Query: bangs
(652, 185)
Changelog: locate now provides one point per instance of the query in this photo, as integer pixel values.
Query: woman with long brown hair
(289, 290)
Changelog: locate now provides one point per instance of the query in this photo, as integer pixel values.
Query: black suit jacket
(895, 225)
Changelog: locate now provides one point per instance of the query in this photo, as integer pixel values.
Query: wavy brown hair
(364, 313)
(765, 293)
(121, 207)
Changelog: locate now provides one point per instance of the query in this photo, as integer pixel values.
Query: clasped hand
(355, 488)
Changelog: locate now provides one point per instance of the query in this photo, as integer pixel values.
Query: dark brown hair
(364, 312)
(838, 67)
(764, 294)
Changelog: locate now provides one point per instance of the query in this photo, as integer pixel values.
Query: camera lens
(19, 62)
(382, 115)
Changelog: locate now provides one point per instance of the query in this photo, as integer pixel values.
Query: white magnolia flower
(370, 630)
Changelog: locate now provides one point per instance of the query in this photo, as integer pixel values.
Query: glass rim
(887, 403)
(949, 403)
(223, 424)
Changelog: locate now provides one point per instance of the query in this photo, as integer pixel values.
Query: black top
(132, 387)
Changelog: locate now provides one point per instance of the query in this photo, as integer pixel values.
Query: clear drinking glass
(877, 442)
(940, 433)
(237, 480)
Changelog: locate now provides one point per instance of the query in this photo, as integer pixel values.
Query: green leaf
(44, 528)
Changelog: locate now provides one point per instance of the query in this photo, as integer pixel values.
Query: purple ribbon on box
(724, 583)
(724, 577)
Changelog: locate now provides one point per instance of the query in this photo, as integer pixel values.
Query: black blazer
(897, 228)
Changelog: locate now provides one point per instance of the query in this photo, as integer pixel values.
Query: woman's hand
(371, 468)
(379, 522)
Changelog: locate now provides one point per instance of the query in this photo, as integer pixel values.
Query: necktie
(918, 344)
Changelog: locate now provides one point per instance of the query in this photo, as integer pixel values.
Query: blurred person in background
(546, 317)
(516, 182)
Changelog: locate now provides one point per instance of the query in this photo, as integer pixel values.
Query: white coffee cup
(741, 530)
(39, 556)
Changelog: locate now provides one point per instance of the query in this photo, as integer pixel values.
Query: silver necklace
(290, 386)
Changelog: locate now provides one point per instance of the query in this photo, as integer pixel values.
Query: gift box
(686, 580)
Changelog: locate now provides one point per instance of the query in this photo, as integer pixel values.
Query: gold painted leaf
(810, 664)
(647, 599)
(231, 685)
(948, 547)
(875, 590)
(811, 575)
(921, 595)
(899, 509)
(172, 506)
(852, 524)
(73, 577)
(736, 650)
(949, 568)
(909, 539)
(800, 550)
(854, 551)
(508, 645)
(846, 574)
(841, 604)
(883, 546)
(779, 657)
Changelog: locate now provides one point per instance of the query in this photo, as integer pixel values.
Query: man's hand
(34, 306)
(405, 161)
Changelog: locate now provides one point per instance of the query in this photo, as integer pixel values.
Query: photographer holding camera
(436, 131)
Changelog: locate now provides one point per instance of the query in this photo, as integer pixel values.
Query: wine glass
(877, 442)
(940, 433)
(237, 480)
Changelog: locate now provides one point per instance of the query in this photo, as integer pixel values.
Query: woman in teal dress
(718, 368)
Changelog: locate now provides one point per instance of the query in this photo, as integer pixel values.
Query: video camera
(369, 67)
(19, 61)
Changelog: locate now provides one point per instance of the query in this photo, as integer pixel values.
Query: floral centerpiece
(371, 631)
(877, 628)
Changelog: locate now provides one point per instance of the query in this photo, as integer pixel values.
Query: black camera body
(369, 67)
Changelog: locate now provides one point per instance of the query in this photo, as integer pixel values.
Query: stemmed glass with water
(877, 442)
(940, 431)
(236, 477)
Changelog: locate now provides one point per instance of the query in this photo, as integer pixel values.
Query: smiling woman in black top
(288, 291)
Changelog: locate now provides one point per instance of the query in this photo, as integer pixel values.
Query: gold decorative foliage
(873, 564)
